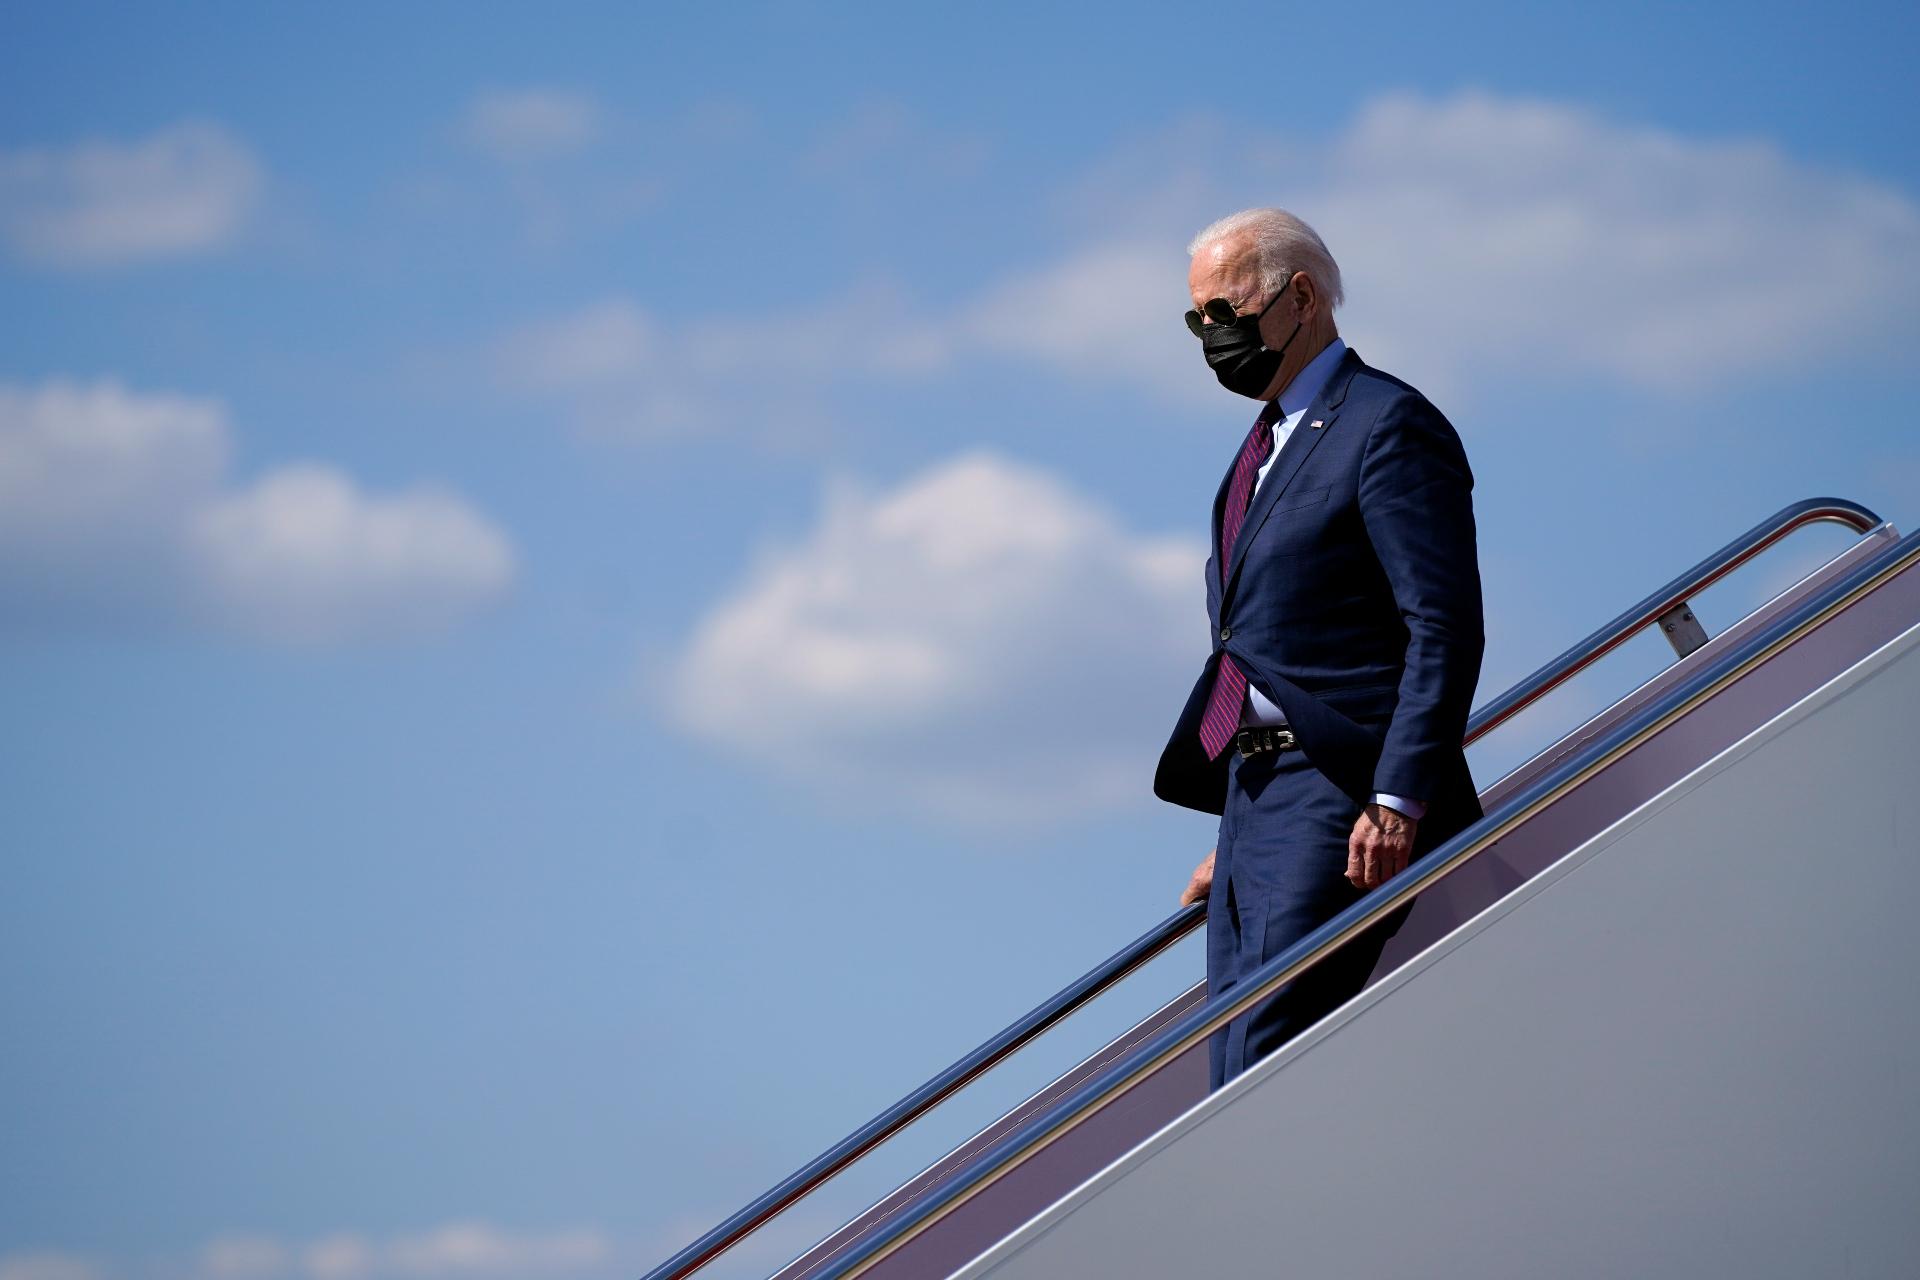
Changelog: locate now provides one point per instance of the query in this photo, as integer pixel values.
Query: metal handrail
(1609, 637)
(921, 1100)
(1186, 919)
(1195, 1026)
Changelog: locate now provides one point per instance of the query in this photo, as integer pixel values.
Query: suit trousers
(1279, 872)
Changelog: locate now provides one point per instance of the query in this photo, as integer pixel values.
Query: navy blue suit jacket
(1352, 601)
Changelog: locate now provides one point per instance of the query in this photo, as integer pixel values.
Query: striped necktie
(1222, 716)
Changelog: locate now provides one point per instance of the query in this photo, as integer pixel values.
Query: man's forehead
(1219, 263)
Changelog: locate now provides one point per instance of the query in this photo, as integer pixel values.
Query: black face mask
(1238, 357)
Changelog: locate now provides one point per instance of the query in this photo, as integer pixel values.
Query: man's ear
(1306, 296)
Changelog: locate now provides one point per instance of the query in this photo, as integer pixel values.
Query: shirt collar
(1305, 387)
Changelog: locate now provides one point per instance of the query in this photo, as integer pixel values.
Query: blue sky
(589, 595)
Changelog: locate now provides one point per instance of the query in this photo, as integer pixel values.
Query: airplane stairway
(1075, 1179)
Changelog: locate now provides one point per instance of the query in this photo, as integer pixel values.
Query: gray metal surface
(1686, 1048)
(1682, 630)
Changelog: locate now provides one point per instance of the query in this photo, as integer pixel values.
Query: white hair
(1282, 245)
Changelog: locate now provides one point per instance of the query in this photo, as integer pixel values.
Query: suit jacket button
(1226, 633)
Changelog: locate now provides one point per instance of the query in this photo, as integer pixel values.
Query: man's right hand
(1202, 881)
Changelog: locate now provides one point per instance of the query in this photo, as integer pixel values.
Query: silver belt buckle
(1264, 737)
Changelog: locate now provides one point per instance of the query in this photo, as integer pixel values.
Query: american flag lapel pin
(1316, 424)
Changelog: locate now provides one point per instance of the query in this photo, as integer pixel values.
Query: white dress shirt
(1295, 398)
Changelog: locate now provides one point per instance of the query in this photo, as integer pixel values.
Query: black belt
(1265, 737)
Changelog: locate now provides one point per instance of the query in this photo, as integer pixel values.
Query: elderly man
(1344, 593)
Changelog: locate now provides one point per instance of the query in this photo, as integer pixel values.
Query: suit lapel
(1314, 425)
(1219, 510)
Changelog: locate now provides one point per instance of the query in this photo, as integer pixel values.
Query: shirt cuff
(1415, 809)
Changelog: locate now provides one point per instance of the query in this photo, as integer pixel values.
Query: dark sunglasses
(1220, 311)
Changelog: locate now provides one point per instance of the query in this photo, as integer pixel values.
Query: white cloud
(244, 1258)
(92, 470)
(116, 502)
(622, 372)
(47, 1266)
(303, 555)
(607, 343)
(453, 1251)
(469, 1250)
(1482, 237)
(338, 1257)
(885, 140)
(186, 189)
(1110, 312)
(456, 1250)
(1517, 234)
(526, 123)
(981, 640)
(473, 1248)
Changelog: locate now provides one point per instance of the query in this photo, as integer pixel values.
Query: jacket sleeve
(1416, 500)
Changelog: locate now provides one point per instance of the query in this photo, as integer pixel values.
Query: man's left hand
(1380, 846)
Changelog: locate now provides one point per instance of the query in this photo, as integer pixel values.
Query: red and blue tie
(1222, 717)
